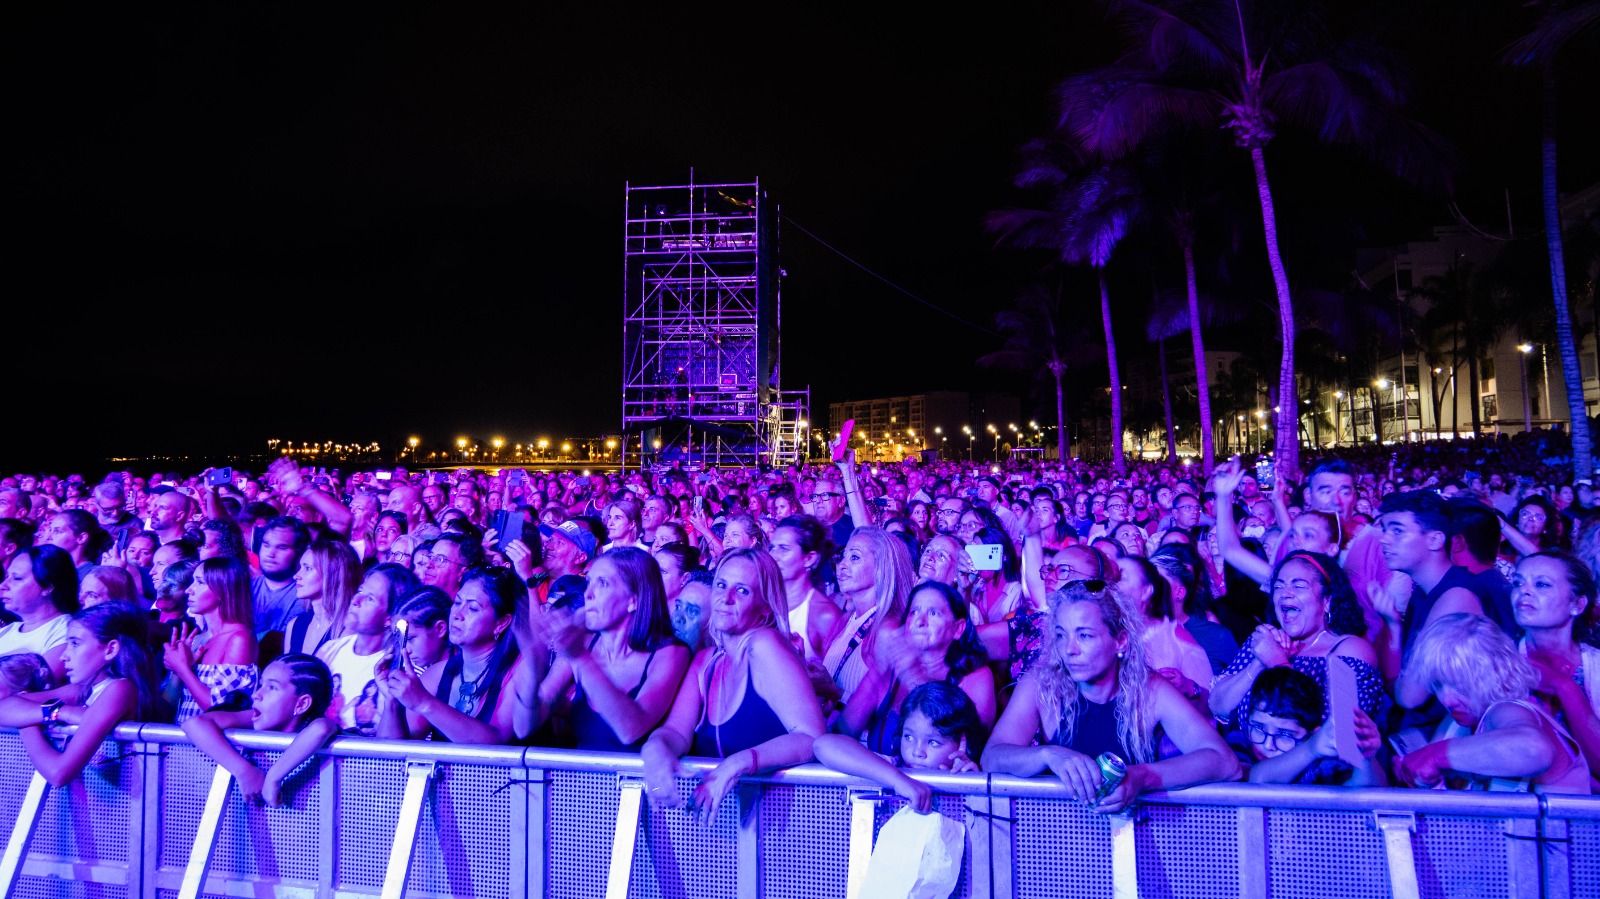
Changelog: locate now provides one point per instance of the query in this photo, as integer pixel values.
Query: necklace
(470, 691)
(1312, 642)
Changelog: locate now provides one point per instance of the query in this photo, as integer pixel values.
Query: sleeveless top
(1574, 780)
(479, 700)
(299, 626)
(844, 660)
(751, 724)
(1094, 730)
(883, 730)
(220, 681)
(1370, 694)
(590, 731)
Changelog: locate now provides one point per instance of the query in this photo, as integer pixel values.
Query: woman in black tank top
(483, 675)
(1091, 693)
(747, 699)
(617, 658)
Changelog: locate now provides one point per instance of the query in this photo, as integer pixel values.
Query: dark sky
(249, 220)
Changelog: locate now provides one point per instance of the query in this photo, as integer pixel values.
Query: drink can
(1112, 771)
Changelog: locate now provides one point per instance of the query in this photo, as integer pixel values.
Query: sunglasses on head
(1093, 585)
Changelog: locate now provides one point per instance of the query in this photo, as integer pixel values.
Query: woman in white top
(1550, 594)
(875, 576)
(40, 588)
(799, 545)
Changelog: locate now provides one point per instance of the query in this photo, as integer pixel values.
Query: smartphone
(397, 642)
(1264, 474)
(517, 478)
(984, 556)
(844, 440)
(507, 527)
(383, 475)
(699, 504)
(124, 536)
(219, 477)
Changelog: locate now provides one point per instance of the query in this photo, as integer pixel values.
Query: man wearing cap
(568, 549)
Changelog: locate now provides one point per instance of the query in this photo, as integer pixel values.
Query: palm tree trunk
(1166, 402)
(1288, 439)
(1582, 447)
(1119, 461)
(1063, 438)
(1202, 378)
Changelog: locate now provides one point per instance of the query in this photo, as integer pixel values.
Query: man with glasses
(828, 505)
(109, 504)
(1186, 511)
(443, 563)
(947, 518)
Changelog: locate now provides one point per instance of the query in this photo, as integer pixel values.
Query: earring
(1119, 653)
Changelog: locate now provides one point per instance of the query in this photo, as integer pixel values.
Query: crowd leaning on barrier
(1409, 618)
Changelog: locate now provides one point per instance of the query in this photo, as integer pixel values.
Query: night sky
(242, 221)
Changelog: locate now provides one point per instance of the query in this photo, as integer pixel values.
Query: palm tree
(1559, 23)
(1088, 215)
(1035, 341)
(1198, 61)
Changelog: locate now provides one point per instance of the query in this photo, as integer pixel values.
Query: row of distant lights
(303, 448)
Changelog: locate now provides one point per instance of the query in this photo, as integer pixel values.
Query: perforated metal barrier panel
(511, 823)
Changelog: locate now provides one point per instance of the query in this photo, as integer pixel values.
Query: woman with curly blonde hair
(1091, 693)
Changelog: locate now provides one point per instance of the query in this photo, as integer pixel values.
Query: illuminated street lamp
(543, 443)
(1527, 401)
(967, 430)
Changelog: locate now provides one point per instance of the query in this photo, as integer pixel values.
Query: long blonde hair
(1058, 692)
(769, 587)
(893, 574)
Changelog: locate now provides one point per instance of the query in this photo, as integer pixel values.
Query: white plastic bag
(916, 857)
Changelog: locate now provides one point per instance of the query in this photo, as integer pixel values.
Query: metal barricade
(369, 818)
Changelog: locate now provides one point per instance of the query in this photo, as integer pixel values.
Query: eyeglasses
(949, 513)
(1188, 507)
(819, 497)
(437, 559)
(1059, 571)
(1282, 741)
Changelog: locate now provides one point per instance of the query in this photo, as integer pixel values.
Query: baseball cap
(573, 531)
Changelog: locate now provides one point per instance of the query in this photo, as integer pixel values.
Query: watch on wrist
(50, 711)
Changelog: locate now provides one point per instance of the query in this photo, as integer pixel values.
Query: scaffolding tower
(700, 329)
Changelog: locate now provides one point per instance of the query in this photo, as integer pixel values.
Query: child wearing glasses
(1283, 739)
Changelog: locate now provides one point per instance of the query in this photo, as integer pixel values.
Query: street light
(1527, 401)
(993, 430)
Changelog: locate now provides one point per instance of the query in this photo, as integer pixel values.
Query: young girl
(939, 729)
(224, 663)
(291, 697)
(110, 679)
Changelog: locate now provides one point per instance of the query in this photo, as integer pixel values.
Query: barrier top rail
(1334, 799)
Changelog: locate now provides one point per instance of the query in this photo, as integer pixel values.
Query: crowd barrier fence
(152, 817)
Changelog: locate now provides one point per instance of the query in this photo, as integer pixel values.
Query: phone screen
(984, 556)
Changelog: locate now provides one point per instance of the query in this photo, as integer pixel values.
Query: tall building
(893, 427)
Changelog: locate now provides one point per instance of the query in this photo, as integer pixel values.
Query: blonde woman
(1090, 694)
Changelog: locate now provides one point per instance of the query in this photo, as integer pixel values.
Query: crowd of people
(1418, 616)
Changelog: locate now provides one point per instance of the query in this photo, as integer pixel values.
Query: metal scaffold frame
(700, 329)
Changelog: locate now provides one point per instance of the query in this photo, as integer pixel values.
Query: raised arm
(1225, 482)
